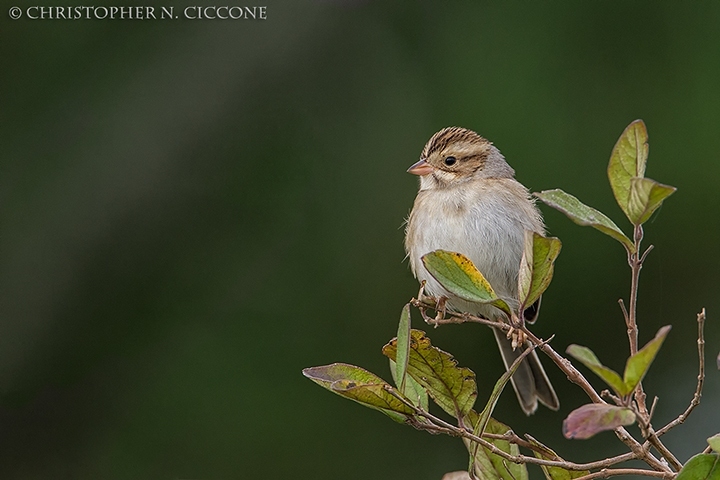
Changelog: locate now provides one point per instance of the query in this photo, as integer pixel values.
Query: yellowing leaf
(645, 197)
(584, 215)
(361, 386)
(453, 388)
(459, 276)
(628, 160)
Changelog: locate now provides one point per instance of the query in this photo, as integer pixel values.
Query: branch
(611, 472)
(573, 374)
(652, 438)
(700, 379)
(589, 466)
(441, 426)
(455, 317)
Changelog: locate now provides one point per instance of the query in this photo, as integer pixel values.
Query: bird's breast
(481, 223)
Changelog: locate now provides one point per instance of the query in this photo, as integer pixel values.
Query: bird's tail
(530, 380)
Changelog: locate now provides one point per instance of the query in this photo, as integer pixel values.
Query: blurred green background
(193, 211)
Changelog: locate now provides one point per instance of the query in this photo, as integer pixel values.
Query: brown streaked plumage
(469, 202)
(451, 135)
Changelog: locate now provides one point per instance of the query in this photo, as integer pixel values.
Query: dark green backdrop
(193, 211)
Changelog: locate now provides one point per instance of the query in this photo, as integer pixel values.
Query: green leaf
(586, 421)
(413, 390)
(403, 348)
(536, 267)
(406, 384)
(714, 442)
(628, 160)
(637, 365)
(645, 197)
(586, 356)
(459, 276)
(453, 388)
(554, 473)
(507, 470)
(584, 215)
(704, 466)
(488, 465)
(361, 386)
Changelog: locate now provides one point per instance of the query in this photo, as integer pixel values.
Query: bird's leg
(427, 300)
(519, 339)
(421, 292)
(438, 303)
(516, 333)
(440, 308)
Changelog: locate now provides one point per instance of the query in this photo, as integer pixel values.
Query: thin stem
(700, 378)
(653, 439)
(624, 310)
(647, 250)
(636, 260)
(651, 436)
(635, 265)
(652, 407)
(607, 394)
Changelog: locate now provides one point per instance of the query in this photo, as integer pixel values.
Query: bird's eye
(450, 161)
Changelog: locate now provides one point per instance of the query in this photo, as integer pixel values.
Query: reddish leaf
(590, 419)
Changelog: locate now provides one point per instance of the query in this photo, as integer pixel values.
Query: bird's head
(454, 155)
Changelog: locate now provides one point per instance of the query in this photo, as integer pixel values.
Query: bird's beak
(420, 168)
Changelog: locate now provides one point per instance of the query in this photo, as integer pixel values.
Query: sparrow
(470, 203)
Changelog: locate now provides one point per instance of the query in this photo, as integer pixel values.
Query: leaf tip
(714, 442)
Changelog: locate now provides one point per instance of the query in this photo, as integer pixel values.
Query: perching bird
(470, 203)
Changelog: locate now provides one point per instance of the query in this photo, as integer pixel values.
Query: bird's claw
(515, 333)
